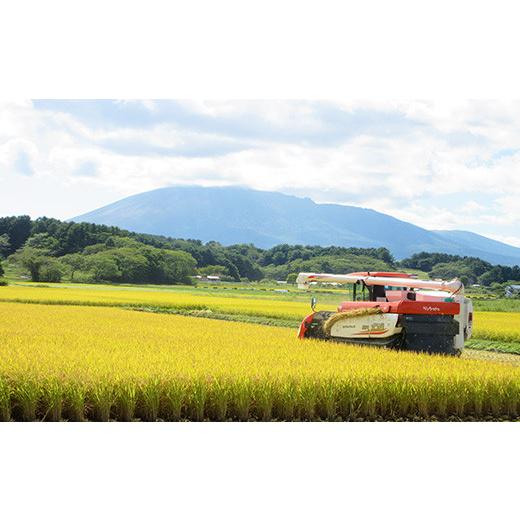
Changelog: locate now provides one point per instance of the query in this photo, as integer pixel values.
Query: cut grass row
(76, 363)
(495, 346)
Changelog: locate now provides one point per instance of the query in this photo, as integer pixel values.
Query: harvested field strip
(104, 363)
(497, 305)
(489, 354)
(494, 346)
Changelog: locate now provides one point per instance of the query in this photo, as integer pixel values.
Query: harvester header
(386, 279)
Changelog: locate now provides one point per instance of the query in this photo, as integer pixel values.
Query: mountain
(501, 253)
(233, 215)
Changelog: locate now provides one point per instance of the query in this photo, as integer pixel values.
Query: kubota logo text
(430, 309)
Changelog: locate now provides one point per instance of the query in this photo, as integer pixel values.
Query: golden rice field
(74, 363)
(498, 326)
(501, 326)
(166, 299)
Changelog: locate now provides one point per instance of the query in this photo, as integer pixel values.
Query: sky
(437, 164)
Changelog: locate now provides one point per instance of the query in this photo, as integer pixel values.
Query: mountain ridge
(233, 215)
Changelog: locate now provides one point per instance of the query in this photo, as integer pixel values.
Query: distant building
(512, 291)
(209, 278)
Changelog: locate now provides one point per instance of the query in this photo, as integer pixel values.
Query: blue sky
(441, 165)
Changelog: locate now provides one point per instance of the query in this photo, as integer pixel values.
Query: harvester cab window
(360, 292)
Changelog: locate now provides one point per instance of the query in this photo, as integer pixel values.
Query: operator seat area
(379, 293)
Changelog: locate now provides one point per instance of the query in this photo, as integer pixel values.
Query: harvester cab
(395, 310)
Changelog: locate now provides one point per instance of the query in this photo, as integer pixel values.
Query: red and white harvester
(393, 310)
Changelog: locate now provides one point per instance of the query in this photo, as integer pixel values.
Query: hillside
(47, 249)
(233, 215)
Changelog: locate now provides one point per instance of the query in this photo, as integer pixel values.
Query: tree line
(48, 249)
(469, 269)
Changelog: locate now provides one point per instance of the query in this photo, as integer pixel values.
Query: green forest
(50, 250)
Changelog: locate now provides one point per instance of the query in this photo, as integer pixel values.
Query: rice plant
(91, 363)
(182, 301)
(496, 326)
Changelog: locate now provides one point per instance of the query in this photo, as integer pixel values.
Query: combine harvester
(393, 310)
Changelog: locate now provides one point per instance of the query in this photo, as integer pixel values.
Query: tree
(213, 270)
(44, 242)
(1, 269)
(103, 268)
(31, 259)
(51, 271)
(5, 245)
(494, 275)
(17, 229)
(245, 266)
(178, 266)
(132, 265)
(75, 262)
(291, 277)
(449, 270)
(424, 264)
(94, 248)
(20, 231)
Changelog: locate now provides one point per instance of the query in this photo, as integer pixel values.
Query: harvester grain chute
(393, 310)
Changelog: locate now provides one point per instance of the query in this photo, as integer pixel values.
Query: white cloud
(512, 240)
(424, 162)
(18, 155)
